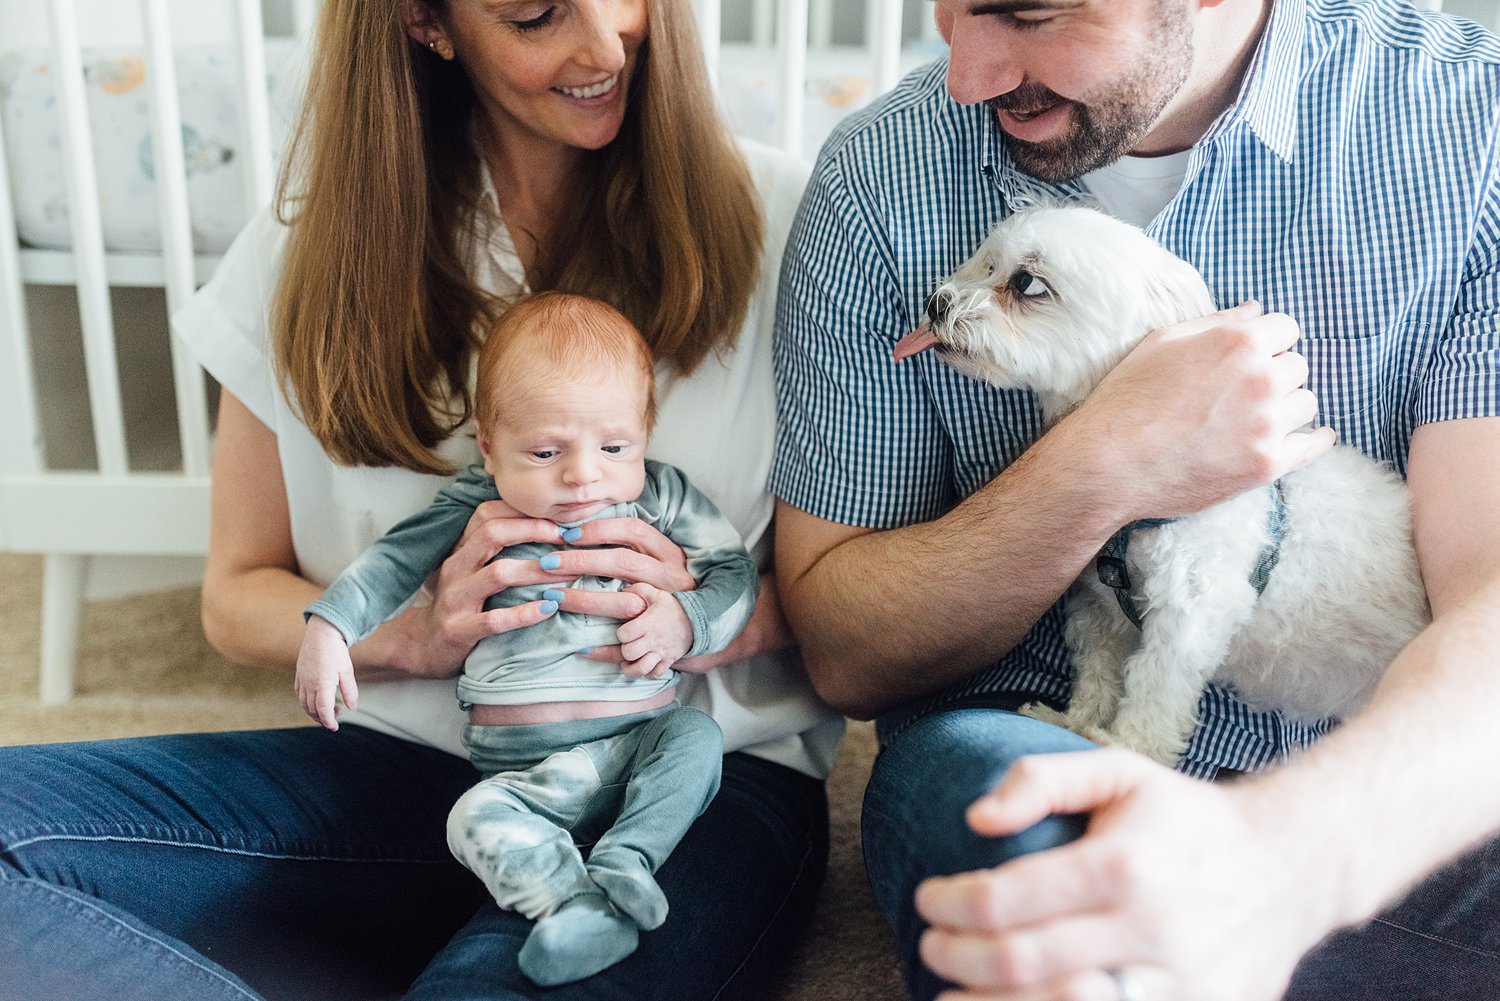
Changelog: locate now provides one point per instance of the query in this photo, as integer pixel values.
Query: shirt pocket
(1367, 385)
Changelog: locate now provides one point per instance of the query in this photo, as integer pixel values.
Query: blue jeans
(1442, 943)
(306, 864)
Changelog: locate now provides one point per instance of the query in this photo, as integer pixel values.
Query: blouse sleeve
(225, 323)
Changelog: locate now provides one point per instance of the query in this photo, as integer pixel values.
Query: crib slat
(883, 36)
(304, 16)
(88, 244)
(929, 26)
(21, 451)
(820, 23)
(255, 113)
(710, 15)
(176, 231)
(791, 48)
(762, 18)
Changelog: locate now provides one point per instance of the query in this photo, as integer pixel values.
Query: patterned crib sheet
(124, 161)
(839, 82)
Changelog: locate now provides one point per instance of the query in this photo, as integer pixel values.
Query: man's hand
(324, 667)
(1188, 886)
(1202, 411)
(656, 639)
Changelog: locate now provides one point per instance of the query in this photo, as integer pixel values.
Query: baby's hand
(323, 666)
(656, 639)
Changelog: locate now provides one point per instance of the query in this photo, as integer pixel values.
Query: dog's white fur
(1344, 598)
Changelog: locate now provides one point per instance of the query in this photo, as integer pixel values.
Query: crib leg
(64, 576)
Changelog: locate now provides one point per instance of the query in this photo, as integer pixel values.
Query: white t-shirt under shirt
(717, 425)
(1136, 188)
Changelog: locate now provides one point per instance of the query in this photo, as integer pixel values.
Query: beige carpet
(144, 667)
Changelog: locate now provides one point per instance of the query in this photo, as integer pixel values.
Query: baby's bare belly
(562, 712)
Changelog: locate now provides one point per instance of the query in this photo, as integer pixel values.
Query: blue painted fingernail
(562, 533)
(572, 535)
(586, 649)
(550, 562)
(552, 594)
(548, 607)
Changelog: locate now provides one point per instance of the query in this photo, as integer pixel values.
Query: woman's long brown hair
(375, 318)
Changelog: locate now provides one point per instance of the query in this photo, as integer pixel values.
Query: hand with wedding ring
(1180, 890)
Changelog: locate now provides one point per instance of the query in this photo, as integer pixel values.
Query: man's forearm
(886, 617)
(1405, 786)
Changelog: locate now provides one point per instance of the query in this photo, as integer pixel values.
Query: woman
(452, 155)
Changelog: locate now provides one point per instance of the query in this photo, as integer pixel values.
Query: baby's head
(564, 405)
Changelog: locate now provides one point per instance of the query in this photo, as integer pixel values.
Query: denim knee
(923, 783)
(921, 786)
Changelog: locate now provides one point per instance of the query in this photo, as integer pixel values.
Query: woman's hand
(638, 554)
(767, 630)
(432, 641)
(1194, 890)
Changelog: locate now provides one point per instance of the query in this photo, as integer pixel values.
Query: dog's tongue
(915, 343)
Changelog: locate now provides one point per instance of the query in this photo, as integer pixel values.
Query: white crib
(113, 461)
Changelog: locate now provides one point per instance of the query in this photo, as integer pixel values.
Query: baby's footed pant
(630, 786)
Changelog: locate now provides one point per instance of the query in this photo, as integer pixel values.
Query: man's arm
(1324, 842)
(1198, 413)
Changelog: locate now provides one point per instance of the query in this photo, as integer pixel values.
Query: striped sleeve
(1463, 378)
(851, 446)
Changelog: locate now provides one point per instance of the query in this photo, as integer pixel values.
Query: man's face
(1074, 84)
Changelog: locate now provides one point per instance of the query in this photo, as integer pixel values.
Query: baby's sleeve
(379, 582)
(728, 580)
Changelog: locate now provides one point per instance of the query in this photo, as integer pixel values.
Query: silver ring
(1126, 985)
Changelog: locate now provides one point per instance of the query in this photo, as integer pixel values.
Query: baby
(563, 411)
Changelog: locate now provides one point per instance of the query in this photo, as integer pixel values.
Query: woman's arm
(252, 594)
(766, 631)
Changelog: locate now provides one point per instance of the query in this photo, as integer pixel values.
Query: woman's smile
(603, 89)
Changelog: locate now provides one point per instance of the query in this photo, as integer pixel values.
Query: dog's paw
(1046, 714)
(1100, 736)
(1160, 745)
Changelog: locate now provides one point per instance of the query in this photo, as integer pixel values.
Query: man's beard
(1106, 129)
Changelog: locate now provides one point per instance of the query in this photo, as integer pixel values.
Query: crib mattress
(124, 161)
(839, 81)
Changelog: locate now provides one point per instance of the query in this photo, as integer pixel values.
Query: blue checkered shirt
(1351, 185)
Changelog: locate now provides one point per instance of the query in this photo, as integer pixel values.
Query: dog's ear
(1176, 292)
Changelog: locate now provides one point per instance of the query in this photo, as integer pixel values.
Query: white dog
(1053, 300)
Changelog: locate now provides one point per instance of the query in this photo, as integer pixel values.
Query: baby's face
(565, 449)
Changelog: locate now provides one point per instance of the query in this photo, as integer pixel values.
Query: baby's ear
(484, 441)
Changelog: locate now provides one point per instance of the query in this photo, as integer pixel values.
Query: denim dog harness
(1114, 574)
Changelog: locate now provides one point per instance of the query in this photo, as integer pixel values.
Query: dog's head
(1053, 299)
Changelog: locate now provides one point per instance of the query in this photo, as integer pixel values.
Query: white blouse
(717, 425)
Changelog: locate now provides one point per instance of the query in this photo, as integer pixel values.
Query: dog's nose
(938, 305)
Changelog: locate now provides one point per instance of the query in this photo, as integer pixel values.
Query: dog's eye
(1027, 284)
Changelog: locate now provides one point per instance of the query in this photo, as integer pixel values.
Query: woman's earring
(442, 48)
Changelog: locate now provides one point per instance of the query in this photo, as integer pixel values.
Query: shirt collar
(494, 262)
(1267, 101)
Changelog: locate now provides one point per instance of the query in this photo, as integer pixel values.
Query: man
(1335, 160)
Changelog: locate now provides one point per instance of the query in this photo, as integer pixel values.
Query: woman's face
(554, 71)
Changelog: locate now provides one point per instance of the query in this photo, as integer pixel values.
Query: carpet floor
(144, 667)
